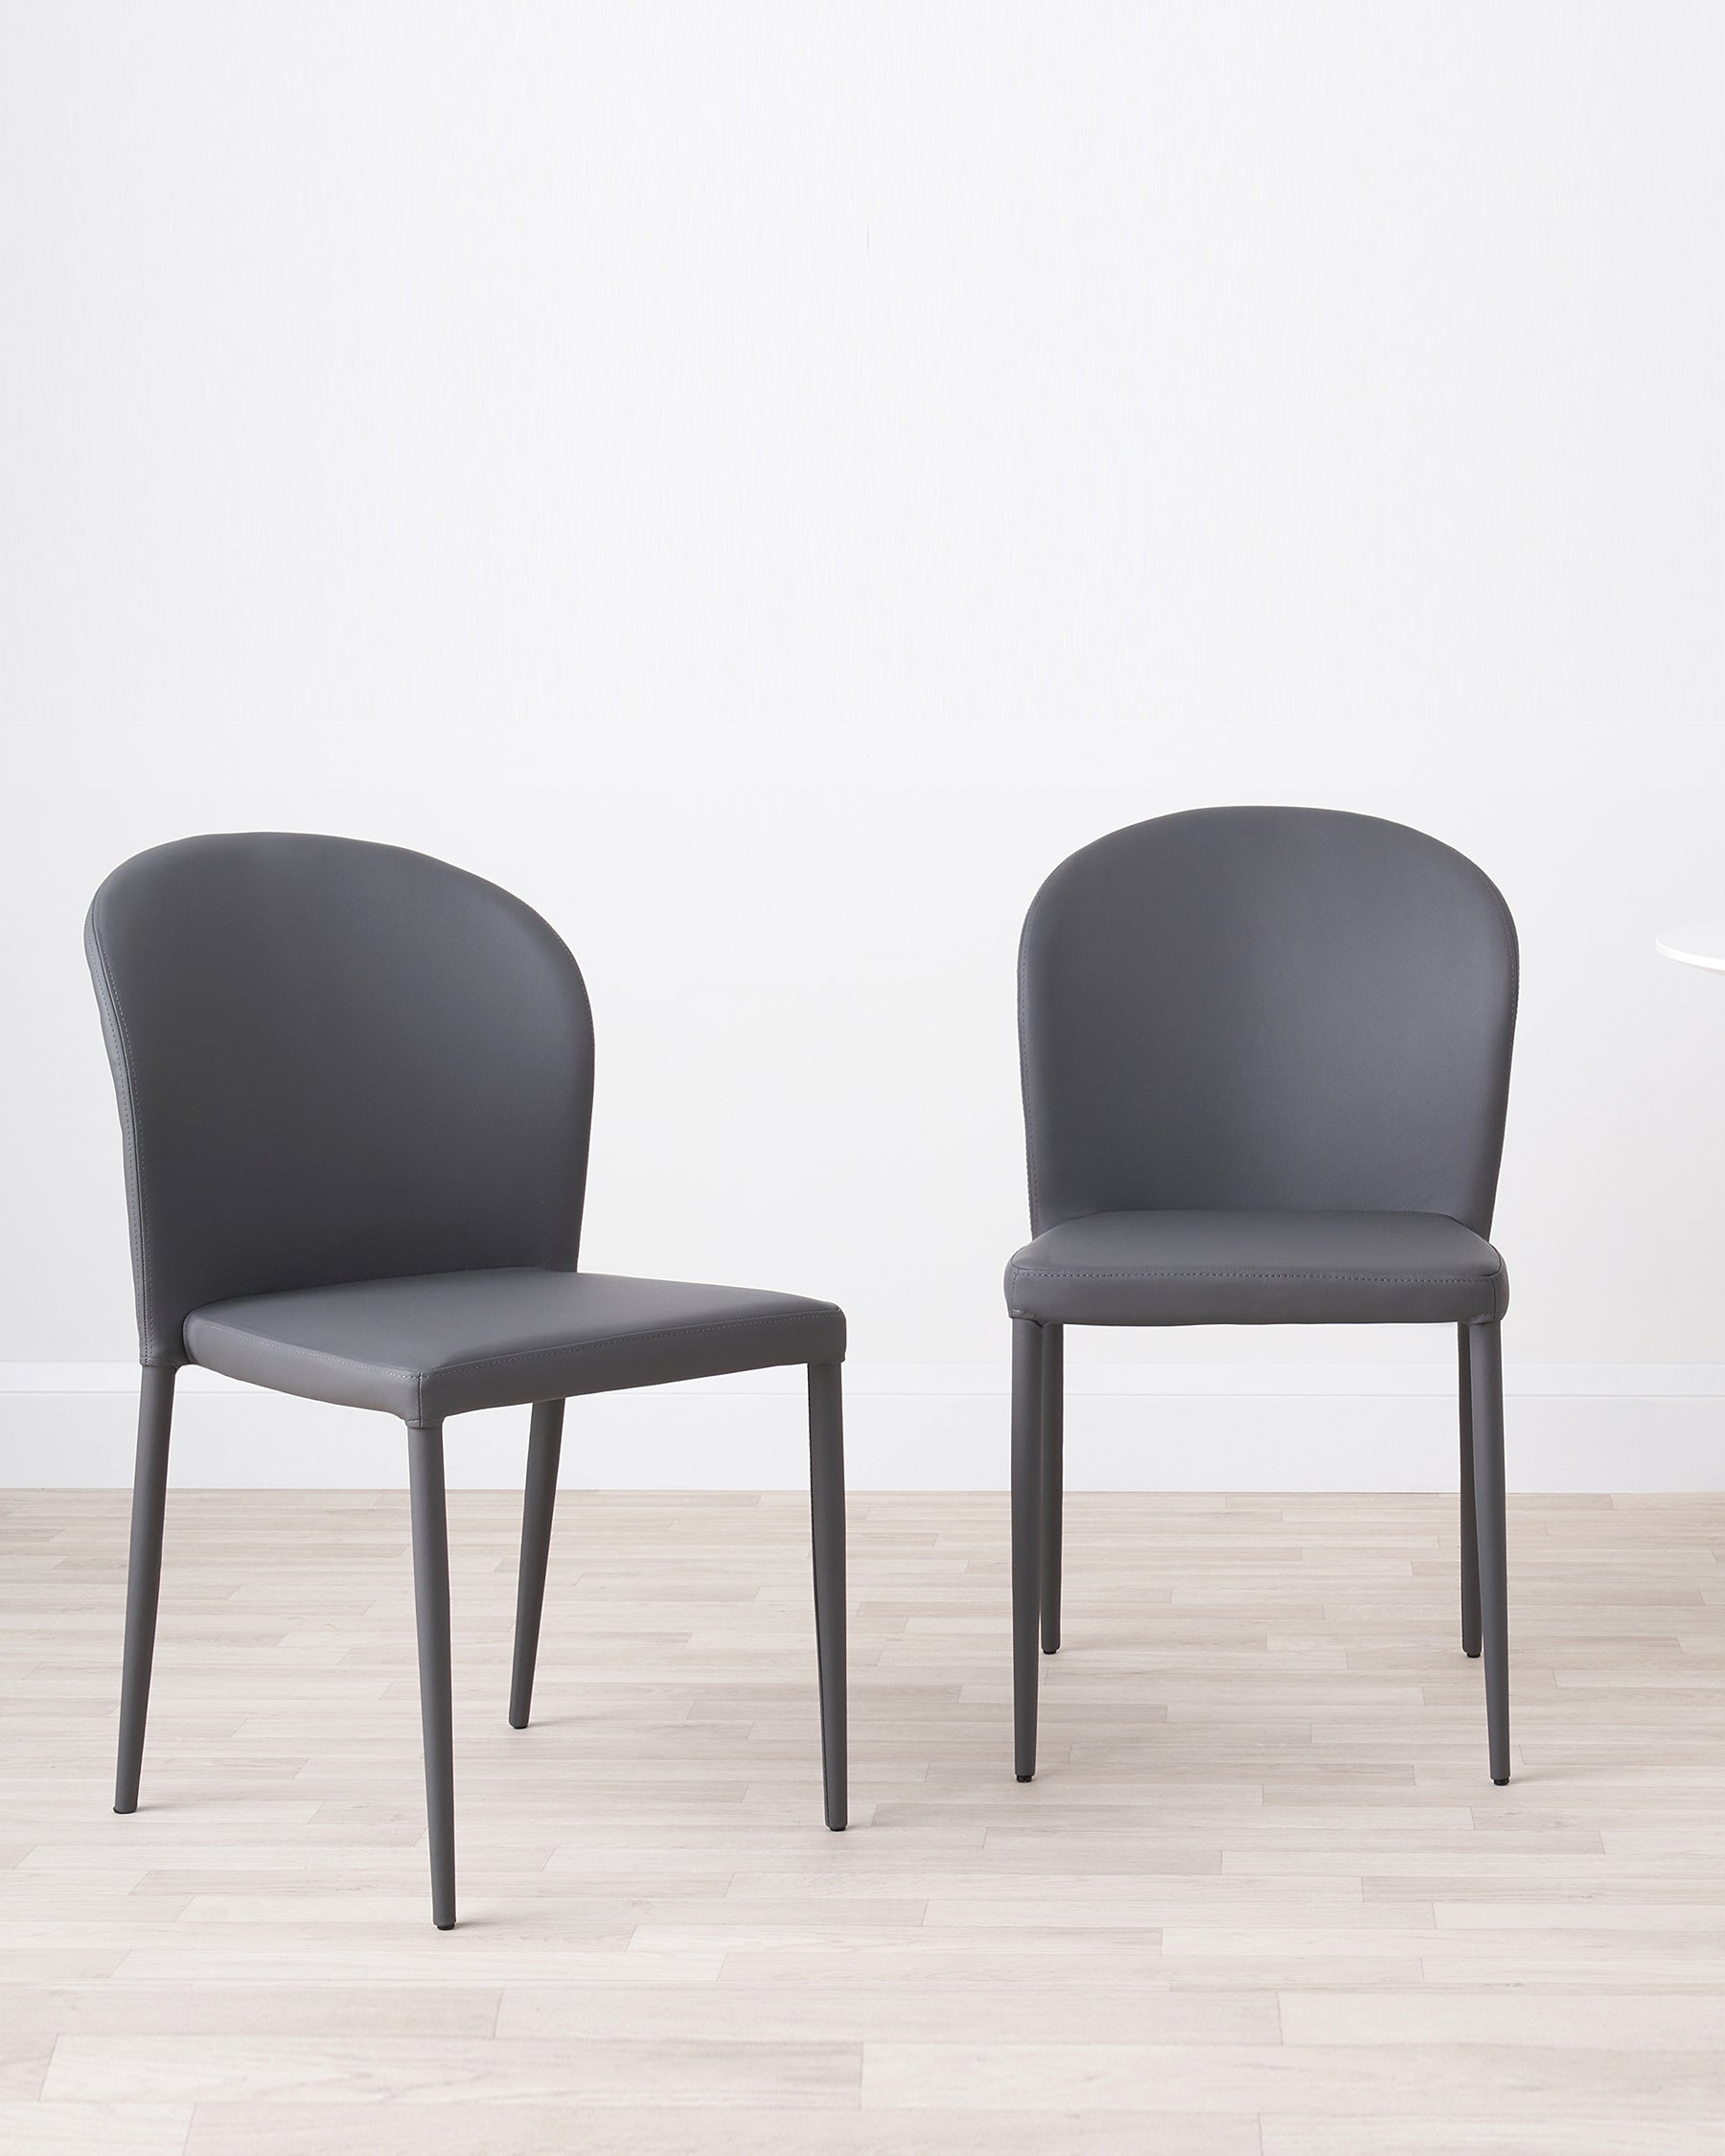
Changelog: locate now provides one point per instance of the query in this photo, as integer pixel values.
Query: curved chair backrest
(1275, 1009)
(335, 1062)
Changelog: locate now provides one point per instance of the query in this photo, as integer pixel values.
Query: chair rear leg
(1470, 1533)
(1486, 1354)
(1053, 1481)
(431, 1610)
(826, 1513)
(1026, 1540)
(142, 1576)
(544, 1450)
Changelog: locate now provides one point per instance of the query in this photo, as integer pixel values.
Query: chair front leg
(1485, 1355)
(431, 1610)
(826, 1512)
(1470, 1530)
(1026, 1551)
(538, 1501)
(142, 1576)
(1053, 1481)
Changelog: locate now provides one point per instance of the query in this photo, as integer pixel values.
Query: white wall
(764, 484)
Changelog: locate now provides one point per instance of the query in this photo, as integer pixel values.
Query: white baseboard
(934, 1426)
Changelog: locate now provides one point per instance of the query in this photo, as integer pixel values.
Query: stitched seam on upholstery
(1031, 1164)
(1032, 1273)
(317, 1354)
(1513, 942)
(139, 1235)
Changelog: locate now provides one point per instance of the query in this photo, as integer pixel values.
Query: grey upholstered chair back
(1275, 1009)
(335, 1062)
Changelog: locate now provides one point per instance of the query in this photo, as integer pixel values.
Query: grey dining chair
(355, 1086)
(1265, 1055)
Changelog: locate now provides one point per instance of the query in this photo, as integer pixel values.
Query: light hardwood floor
(1261, 1900)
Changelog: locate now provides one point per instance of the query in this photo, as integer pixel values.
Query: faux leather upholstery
(428, 1347)
(335, 1062)
(1289, 1010)
(1266, 1068)
(355, 1091)
(1257, 1268)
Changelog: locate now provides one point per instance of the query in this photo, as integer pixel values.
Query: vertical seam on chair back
(119, 1059)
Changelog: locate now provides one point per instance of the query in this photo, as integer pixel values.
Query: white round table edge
(1700, 943)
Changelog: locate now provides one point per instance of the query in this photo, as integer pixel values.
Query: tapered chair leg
(142, 1576)
(826, 1515)
(431, 1609)
(1485, 1356)
(1026, 1538)
(1054, 1479)
(1470, 1543)
(545, 1448)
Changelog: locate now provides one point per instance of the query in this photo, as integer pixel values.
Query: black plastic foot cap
(1024, 1778)
(1500, 1781)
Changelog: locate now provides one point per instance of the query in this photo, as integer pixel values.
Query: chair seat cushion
(1257, 1268)
(442, 1343)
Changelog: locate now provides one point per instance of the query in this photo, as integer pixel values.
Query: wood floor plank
(1462, 2081)
(1663, 2021)
(1555, 2134)
(475, 2128)
(194, 2009)
(836, 2011)
(93, 2129)
(422, 2070)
